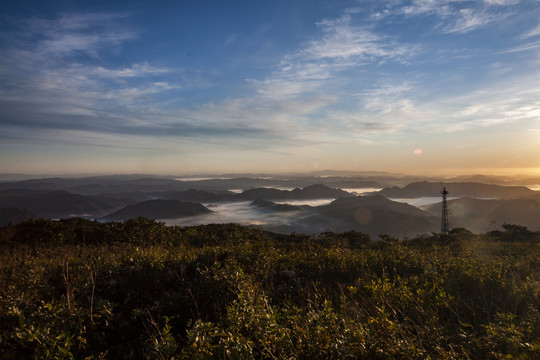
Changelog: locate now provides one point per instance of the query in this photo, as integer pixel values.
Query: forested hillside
(140, 289)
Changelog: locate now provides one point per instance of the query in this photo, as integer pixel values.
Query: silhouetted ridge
(457, 189)
(191, 195)
(269, 205)
(317, 191)
(375, 214)
(375, 201)
(480, 215)
(59, 203)
(159, 209)
(15, 215)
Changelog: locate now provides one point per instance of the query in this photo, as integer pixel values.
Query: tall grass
(84, 290)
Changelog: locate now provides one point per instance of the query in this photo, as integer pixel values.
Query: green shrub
(139, 289)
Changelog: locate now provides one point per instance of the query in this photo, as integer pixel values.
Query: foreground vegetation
(139, 289)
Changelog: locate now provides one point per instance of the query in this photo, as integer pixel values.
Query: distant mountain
(342, 207)
(376, 214)
(98, 184)
(347, 183)
(370, 215)
(159, 209)
(264, 193)
(59, 203)
(498, 180)
(269, 205)
(15, 216)
(317, 191)
(457, 189)
(115, 184)
(190, 196)
(535, 196)
(481, 215)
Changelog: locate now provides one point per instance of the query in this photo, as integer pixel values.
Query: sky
(212, 87)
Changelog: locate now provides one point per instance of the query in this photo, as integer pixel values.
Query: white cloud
(342, 41)
(294, 97)
(501, 2)
(524, 47)
(454, 16)
(392, 108)
(501, 103)
(66, 44)
(297, 102)
(469, 19)
(387, 108)
(316, 65)
(533, 32)
(420, 7)
(133, 95)
(73, 21)
(499, 68)
(136, 70)
(72, 33)
(285, 106)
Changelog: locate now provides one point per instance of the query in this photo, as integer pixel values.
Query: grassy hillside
(139, 289)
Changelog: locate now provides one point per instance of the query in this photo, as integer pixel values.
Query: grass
(84, 290)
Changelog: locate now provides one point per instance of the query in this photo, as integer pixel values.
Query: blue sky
(185, 87)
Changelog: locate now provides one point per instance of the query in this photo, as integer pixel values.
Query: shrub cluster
(76, 289)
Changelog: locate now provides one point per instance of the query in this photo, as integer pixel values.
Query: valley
(395, 205)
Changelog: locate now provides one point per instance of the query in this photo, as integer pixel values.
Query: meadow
(77, 289)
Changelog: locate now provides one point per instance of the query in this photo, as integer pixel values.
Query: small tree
(515, 229)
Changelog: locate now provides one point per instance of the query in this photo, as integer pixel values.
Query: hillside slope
(158, 209)
(480, 215)
(456, 189)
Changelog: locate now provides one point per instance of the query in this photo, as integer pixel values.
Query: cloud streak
(453, 16)
(48, 82)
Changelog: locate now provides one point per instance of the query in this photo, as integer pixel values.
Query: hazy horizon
(315, 173)
(420, 87)
(530, 180)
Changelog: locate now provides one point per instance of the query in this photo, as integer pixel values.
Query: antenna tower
(444, 217)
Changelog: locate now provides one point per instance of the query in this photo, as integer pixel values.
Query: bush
(140, 289)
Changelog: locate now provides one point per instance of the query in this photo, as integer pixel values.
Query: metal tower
(444, 217)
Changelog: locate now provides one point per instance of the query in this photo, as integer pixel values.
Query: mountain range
(480, 215)
(158, 209)
(316, 191)
(59, 203)
(476, 206)
(456, 189)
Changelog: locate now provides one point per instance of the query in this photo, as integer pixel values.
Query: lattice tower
(444, 217)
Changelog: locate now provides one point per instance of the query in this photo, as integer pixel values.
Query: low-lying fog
(244, 213)
(422, 201)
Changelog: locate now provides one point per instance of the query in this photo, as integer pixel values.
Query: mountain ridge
(158, 209)
(456, 189)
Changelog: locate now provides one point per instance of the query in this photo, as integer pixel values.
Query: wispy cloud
(524, 47)
(348, 44)
(453, 16)
(501, 2)
(136, 70)
(313, 70)
(393, 108)
(506, 102)
(293, 98)
(421, 7)
(46, 86)
(533, 32)
(470, 19)
(387, 108)
(72, 33)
